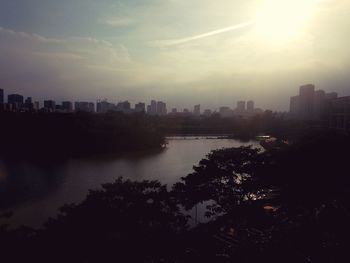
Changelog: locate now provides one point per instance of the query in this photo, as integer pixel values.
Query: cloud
(172, 42)
(118, 22)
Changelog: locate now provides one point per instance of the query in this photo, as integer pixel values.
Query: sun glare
(283, 20)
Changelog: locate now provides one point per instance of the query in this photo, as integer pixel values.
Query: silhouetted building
(310, 104)
(294, 106)
(225, 112)
(197, 110)
(161, 108)
(207, 113)
(67, 106)
(331, 95)
(84, 106)
(124, 106)
(339, 113)
(50, 105)
(306, 102)
(104, 106)
(240, 107)
(28, 104)
(250, 106)
(174, 110)
(149, 109)
(152, 109)
(140, 107)
(36, 105)
(16, 101)
(1, 96)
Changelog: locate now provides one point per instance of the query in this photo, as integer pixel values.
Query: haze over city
(181, 52)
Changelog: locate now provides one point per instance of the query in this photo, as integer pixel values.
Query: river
(35, 192)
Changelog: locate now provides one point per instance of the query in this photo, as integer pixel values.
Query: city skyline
(259, 50)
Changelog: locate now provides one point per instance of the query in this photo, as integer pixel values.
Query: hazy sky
(185, 52)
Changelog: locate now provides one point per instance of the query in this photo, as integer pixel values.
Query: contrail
(172, 42)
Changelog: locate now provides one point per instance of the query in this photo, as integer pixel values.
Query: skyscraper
(161, 108)
(1, 96)
(306, 101)
(153, 108)
(140, 107)
(15, 101)
(50, 105)
(197, 110)
(67, 106)
(250, 106)
(240, 106)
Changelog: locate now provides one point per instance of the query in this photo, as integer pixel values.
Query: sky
(184, 52)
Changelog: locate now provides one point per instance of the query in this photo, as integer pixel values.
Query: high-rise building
(67, 106)
(250, 106)
(104, 106)
(149, 109)
(197, 110)
(28, 104)
(16, 101)
(294, 106)
(161, 108)
(152, 110)
(124, 106)
(241, 107)
(50, 105)
(1, 96)
(331, 95)
(339, 114)
(140, 107)
(226, 112)
(207, 112)
(84, 106)
(306, 101)
(319, 104)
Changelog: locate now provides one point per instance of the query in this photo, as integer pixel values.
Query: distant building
(140, 107)
(331, 95)
(149, 110)
(28, 104)
(67, 106)
(161, 108)
(174, 110)
(306, 101)
(36, 105)
(84, 106)
(104, 106)
(152, 110)
(339, 114)
(16, 101)
(2, 96)
(310, 104)
(241, 107)
(50, 105)
(294, 106)
(225, 112)
(124, 106)
(250, 106)
(207, 113)
(197, 110)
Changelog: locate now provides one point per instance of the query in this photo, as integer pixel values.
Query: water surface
(34, 192)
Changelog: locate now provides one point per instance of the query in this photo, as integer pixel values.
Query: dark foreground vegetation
(285, 205)
(56, 135)
(53, 136)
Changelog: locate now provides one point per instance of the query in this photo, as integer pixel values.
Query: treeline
(55, 135)
(268, 123)
(289, 205)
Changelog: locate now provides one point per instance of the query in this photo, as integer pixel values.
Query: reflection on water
(35, 192)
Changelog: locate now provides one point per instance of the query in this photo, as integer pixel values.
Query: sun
(283, 20)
